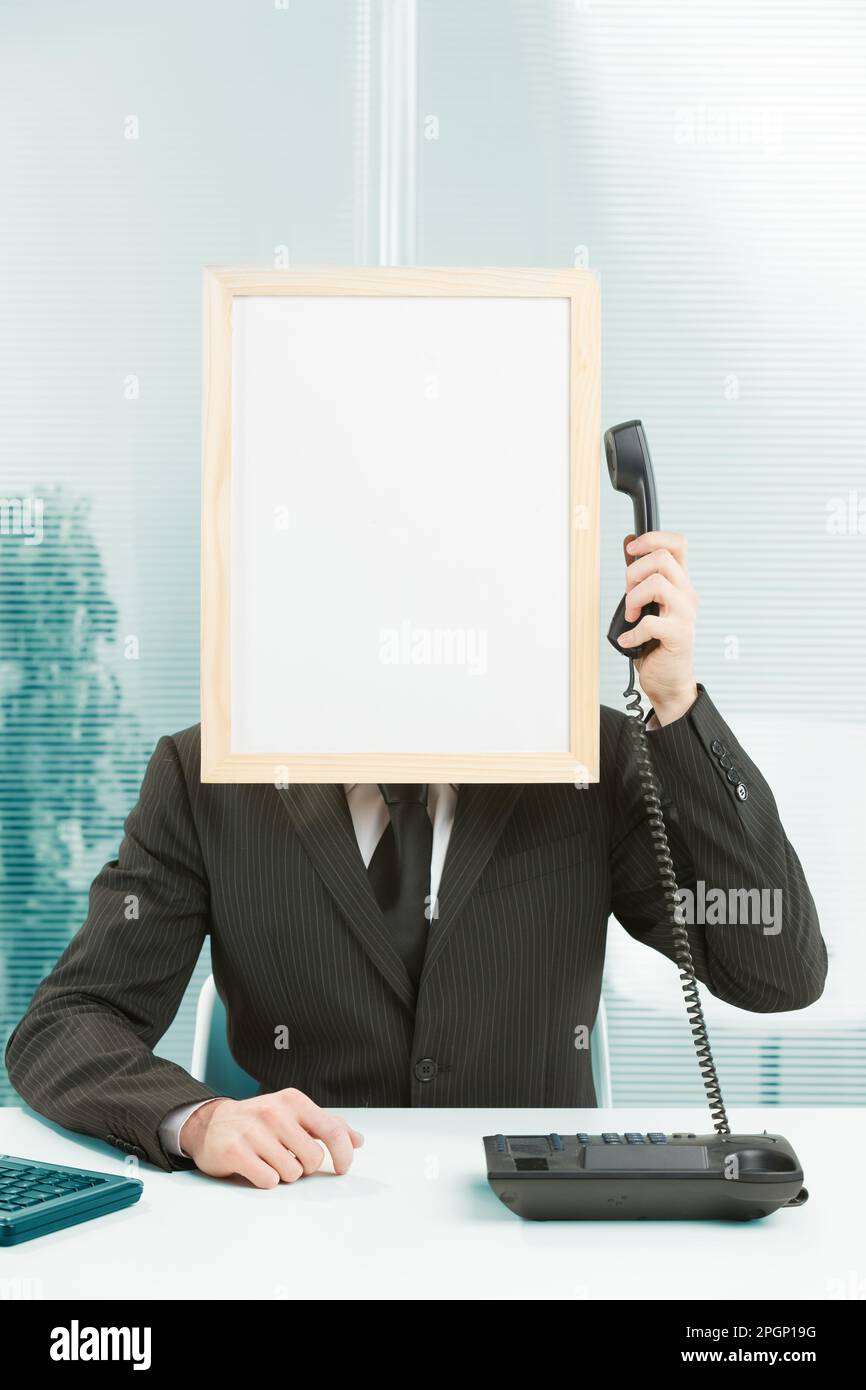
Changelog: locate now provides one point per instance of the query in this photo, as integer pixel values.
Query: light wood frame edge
(580, 764)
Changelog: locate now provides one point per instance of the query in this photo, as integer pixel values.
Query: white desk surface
(414, 1218)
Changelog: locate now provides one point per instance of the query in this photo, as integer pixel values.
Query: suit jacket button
(426, 1069)
(718, 748)
(726, 761)
(742, 791)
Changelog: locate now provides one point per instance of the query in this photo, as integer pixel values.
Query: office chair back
(601, 1060)
(212, 1062)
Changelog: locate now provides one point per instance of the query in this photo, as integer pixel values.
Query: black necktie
(400, 872)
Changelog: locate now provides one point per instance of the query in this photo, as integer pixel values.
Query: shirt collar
(350, 786)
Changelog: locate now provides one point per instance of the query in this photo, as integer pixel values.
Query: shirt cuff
(169, 1130)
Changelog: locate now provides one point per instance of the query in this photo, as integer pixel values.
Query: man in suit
(407, 946)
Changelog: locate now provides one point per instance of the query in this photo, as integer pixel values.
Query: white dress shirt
(369, 819)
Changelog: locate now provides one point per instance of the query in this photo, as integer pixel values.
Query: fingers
(659, 540)
(308, 1153)
(279, 1115)
(656, 562)
(672, 632)
(333, 1132)
(245, 1161)
(659, 576)
(280, 1158)
(657, 588)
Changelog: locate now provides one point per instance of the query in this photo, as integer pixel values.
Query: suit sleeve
(83, 1053)
(751, 920)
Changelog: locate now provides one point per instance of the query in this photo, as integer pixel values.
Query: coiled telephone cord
(667, 876)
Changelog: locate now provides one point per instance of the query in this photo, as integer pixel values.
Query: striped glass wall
(704, 158)
(140, 142)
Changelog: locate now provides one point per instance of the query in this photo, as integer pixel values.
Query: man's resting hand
(268, 1140)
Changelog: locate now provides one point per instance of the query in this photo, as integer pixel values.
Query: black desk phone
(651, 1176)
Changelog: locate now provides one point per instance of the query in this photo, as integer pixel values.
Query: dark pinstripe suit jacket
(514, 960)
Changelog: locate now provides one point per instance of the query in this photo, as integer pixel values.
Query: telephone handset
(631, 472)
(655, 1176)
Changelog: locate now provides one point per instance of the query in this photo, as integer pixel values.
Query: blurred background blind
(705, 159)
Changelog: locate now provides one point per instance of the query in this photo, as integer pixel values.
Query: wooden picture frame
(482, 301)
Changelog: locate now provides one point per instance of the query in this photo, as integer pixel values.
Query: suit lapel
(323, 822)
(482, 814)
